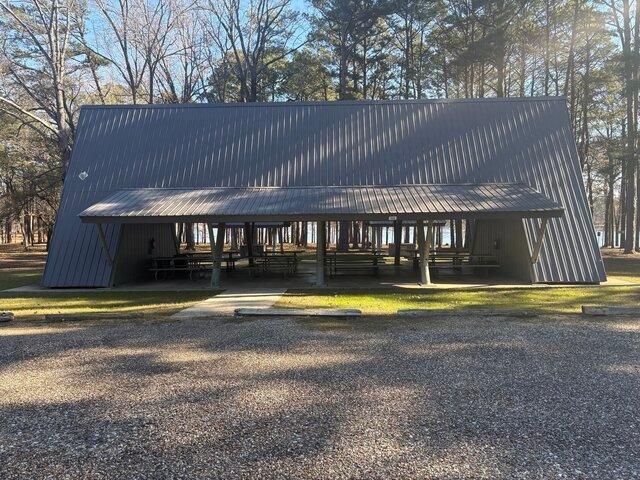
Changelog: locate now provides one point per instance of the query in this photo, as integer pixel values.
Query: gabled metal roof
(290, 144)
(155, 205)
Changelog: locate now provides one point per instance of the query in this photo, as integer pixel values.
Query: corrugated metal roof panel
(332, 144)
(313, 203)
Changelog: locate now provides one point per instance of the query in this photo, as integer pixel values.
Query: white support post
(397, 239)
(536, 248)
(427, 251)
(274, 240)
(423, 248)
(216, 253)
(320, 250)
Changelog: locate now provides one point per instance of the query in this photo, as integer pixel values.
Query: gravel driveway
(453, 398)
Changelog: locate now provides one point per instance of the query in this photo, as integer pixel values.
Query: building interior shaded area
(192, 255)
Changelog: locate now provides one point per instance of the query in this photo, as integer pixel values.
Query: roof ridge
(335, 103)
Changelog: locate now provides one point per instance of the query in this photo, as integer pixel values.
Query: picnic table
(349, 263)
(460, 261)
(189, 263)
(285, 263)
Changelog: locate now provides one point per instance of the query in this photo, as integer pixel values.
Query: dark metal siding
(512, 254)
(341, 143)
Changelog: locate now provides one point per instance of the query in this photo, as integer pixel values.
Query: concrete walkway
(228, 301)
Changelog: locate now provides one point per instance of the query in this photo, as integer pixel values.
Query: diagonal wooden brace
(540, 237)
(103, 243)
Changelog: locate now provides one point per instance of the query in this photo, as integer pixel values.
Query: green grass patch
(621, 266)
(389, 301)
(154, 303)
(19, 277)
(35, 304)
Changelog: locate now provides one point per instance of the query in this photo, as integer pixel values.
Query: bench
(447, 255)
(475, 263)
(285, 264)
(346, 263)
(460, 269)
(460, 262)
(187, 264)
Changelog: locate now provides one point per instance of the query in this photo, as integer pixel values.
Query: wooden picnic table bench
(468, 264)
(287, 264)
(460, 262)
(187, 263)
(346, 263)
(452, 257)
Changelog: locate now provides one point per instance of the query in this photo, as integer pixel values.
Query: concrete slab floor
(399, 277)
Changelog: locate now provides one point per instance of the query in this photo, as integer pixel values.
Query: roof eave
(506, 215)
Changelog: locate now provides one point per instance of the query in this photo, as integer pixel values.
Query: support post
(248, 240)
(216, 252)
(103, 243)
(176, 240)
(374, 238)
(320, 250)
(538, 245)
(474, 236)
(427, 250)
(423, 248)
(274, 240)
(397, 239)
(180, 232)
(281, 238)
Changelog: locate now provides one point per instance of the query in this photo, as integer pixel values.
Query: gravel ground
(453, 398)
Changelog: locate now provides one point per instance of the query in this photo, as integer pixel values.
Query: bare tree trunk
(188, 235)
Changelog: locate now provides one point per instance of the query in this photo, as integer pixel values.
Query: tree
(35, 63)
(29, 179)
(253, 35)
(411, 24)
(625, 18)
(306, 78)
(342, 25)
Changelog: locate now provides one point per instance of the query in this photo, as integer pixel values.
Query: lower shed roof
(432, 201)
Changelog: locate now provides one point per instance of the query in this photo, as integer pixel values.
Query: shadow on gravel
(454, 397)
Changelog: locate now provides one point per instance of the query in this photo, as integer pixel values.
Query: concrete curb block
(297, 312)
(433, 312)
(605, 311)
(77, 317)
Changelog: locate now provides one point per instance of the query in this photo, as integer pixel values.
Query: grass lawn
(19, 268)
(156, 303)
(618, 265)
(389, 301)
(19, 277)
